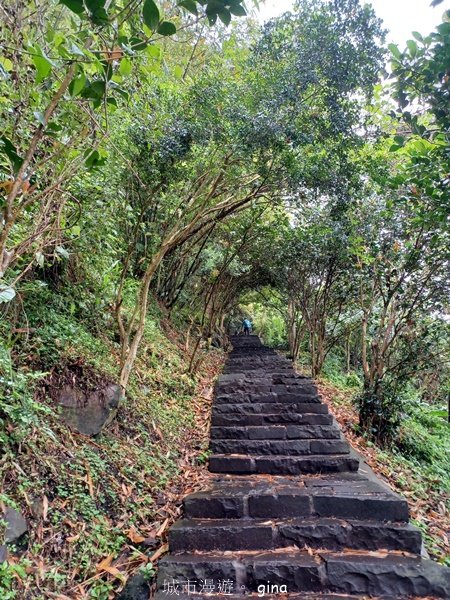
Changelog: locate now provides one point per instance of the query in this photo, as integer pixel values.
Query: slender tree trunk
(11, 214)
(132, 337)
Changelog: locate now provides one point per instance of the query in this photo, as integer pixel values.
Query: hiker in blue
(246, 326)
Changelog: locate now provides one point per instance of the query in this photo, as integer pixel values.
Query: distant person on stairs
(246, 326)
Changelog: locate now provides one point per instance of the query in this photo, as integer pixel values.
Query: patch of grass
(333, 372)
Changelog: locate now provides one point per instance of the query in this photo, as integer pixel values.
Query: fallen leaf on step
(162, 550)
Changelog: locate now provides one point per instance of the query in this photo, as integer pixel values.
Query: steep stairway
(289, 512)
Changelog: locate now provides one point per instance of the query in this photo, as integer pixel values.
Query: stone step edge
(337, 534)
(275, 432)
(332, 572)
(291, 521)
(275, 443)
(255, 596)
(247, 464)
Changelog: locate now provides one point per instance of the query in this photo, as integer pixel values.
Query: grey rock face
(16, 525)
(89, 412)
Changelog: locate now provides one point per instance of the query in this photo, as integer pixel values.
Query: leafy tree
(60, 84)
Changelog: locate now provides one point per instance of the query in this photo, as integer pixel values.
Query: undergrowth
(98, 507)
(416, 465)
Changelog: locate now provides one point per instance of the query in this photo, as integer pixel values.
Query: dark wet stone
(201, 505)
(335, 534)
(261, 447)
(383, 507)
(393, 575)
(231, 464)
(296, 465)
(276, 506)
(188, 535)
(296, 571)
(270, 408)
(329, 447)
(197, 567)
(136, 588)
(312, 431)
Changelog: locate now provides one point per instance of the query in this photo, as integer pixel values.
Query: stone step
(189, 535)
(301, 447)
(264, 397)
(267, 591)
(270, 408)
(255, 357)
(276, 432)
(230, 386)
(269, 419)
(243, 571)
(258, 367)
(390, 575)
(281, 465)
(257, 370)
(342, 496)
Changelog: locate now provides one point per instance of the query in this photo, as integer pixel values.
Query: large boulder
(16, 525)
(3, 554)
(89, 411)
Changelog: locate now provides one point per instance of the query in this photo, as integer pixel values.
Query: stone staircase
(289, 513)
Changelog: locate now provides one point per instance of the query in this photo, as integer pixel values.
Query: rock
(136, 588)
(16, 525)
(89, 412)
(3, 554)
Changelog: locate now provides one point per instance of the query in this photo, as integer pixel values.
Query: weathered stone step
(269, 419)
(281, 465)
(342, 496)
(243, 381)
(272, 378)
(276, 432)
(269, 592)
(245, 571)
(237, 386)
(264, 397)
(260, 447)
(270, 407)
(188, 535)
(257, 370)
(390, 575)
